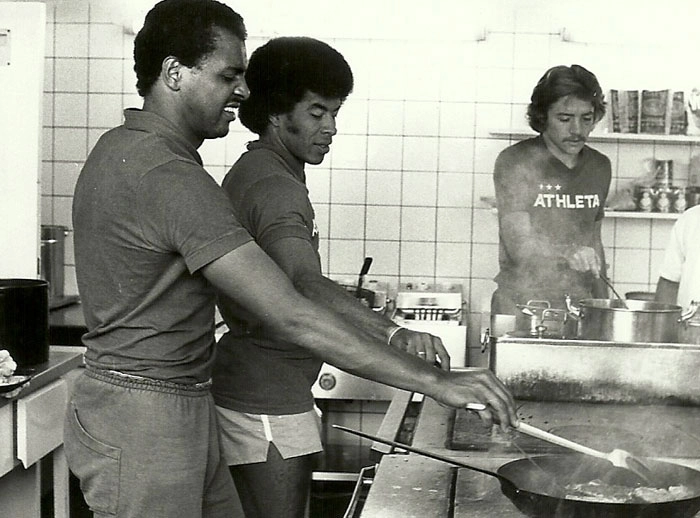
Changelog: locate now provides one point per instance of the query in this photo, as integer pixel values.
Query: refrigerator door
(22, 47)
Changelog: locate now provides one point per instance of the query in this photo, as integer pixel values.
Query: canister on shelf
(644, 198)
(664, 173)
(663, 199)
(692, 196)
(678, 197)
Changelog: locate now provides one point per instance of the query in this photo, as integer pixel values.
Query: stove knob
(327, 381)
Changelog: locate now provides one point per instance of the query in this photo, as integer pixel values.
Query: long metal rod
(419, 451)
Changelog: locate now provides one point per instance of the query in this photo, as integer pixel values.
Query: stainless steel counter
(407, 485)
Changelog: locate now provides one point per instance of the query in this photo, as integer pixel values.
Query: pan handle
(419, 451)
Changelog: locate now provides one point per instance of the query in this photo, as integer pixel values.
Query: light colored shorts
(245, 437)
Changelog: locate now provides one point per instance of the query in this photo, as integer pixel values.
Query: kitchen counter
(31, 432)
(62, 360)
(409, 485)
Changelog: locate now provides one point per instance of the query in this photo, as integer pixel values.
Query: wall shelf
(641, 215)
(620, 214)
(607, 137)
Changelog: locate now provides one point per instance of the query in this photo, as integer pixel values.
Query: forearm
(336, 341)
(525, 245)
(324, 291)
(248, 277)
(666, 291)
(600, 288)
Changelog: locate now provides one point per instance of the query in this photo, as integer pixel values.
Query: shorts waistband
(141, 382)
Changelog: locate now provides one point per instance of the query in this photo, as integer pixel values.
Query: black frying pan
(535, 485)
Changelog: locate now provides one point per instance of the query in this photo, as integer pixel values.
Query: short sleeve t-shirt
(564, 206)
(254, 373)
(147, 217)
(682, 257)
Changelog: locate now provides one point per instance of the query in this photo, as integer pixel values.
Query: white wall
(414, 154)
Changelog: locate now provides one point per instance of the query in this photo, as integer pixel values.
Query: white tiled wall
(414, 155)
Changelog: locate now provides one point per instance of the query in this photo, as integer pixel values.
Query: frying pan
(535, 485)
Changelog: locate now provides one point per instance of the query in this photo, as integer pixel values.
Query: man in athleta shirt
(550, 193)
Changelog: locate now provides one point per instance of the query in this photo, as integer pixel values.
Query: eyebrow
(569, 114)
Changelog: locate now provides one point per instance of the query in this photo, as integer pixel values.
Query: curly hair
(559, 82)
(182, 28)
(281, 72)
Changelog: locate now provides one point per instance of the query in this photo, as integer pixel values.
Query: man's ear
(274, 120)
(171, 72)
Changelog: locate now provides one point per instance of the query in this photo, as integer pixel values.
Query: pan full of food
(581, 486)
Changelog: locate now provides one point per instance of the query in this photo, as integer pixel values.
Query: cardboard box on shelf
(624, 112)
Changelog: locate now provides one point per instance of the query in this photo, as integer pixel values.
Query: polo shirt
(147, 217)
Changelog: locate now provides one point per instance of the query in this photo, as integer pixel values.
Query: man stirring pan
(262, 385)
(154, 237)
(550, 193)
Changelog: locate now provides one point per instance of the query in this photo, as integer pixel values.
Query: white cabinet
(40, 422)
(7, 433)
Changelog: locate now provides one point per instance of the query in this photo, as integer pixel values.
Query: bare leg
(277, 487)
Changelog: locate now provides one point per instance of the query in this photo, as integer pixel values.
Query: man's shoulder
(258, 167)
(597, 155)
(524, 147)
(520, 153)
(690, 216)
(257, 164)
(145, 150)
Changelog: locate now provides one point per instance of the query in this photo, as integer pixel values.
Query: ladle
(610, 285)
(618, 458)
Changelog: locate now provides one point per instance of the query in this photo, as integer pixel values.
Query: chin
(315, 160)
(219, 133)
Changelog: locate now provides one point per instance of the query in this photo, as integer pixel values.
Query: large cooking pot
(616, 320)
(689, 332)
(52, 258)
(537, 485)
(24, 321)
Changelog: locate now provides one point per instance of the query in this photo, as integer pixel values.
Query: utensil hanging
(363, 271)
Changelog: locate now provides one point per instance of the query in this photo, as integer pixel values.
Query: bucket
(24, 321)
(53, 248)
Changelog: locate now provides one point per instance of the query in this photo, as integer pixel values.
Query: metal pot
(53, 258)
(615, 320)
(24, 321)
(689, 332)
(641, 295)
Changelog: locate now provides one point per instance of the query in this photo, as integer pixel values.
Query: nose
(576, 127)
(329, 126)
(242, 91)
